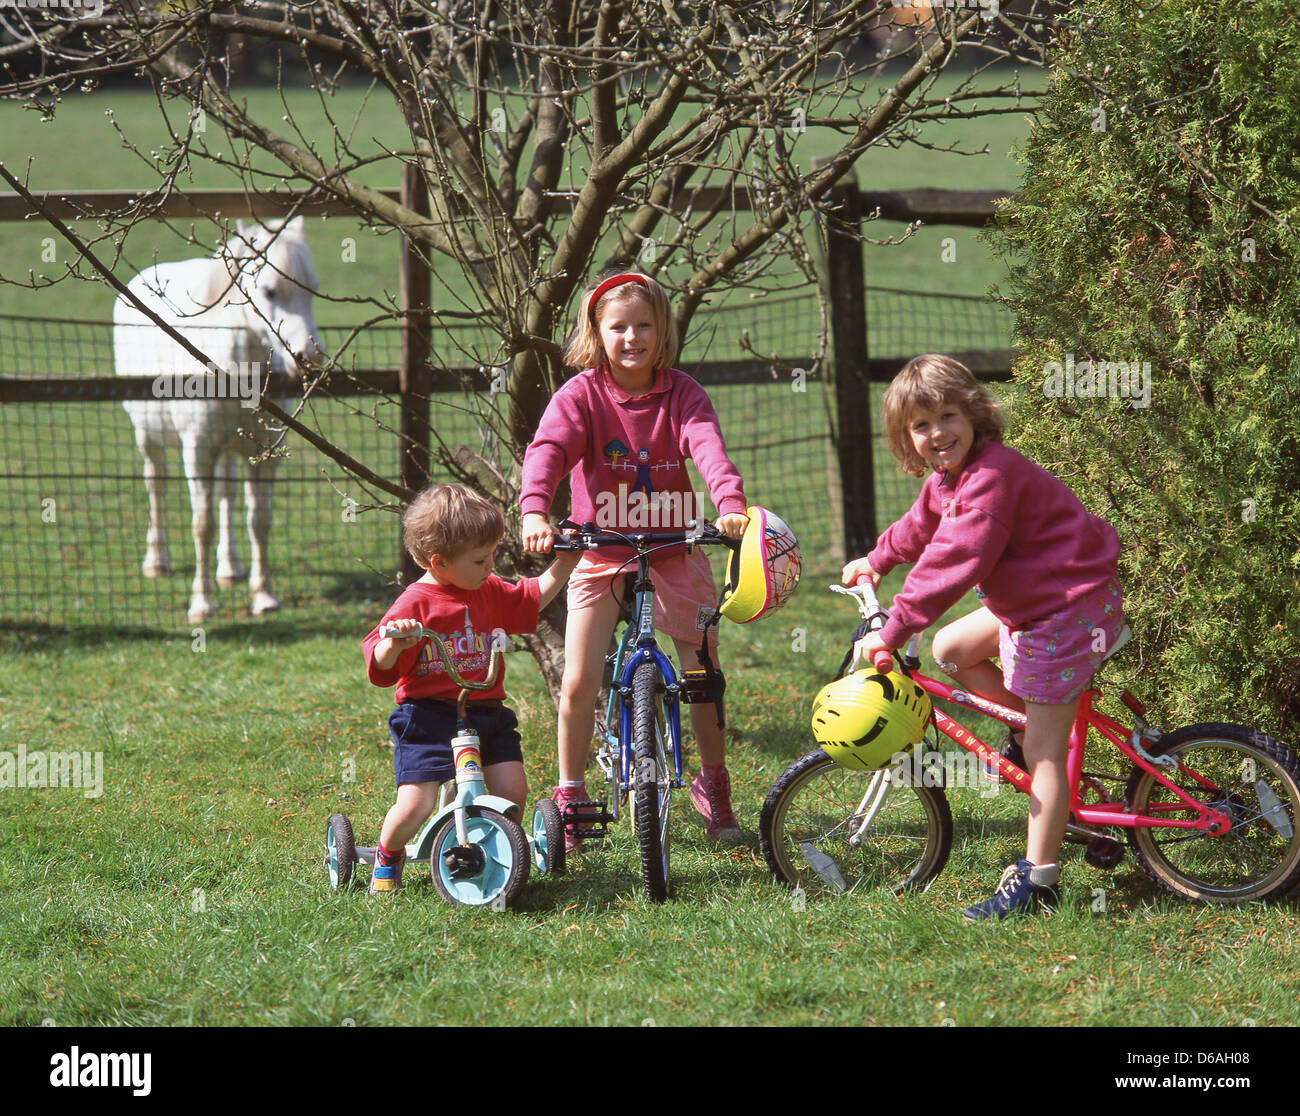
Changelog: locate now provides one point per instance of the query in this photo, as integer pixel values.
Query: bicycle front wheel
(652, 776)
(1253, 779)
(827, 829)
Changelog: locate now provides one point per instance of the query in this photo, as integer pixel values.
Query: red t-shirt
(466, 622)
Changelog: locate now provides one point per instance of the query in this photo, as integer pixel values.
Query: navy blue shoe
(1012, 751)
(1016, 894)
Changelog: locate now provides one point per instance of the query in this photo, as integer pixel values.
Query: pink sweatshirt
(627, 454)
(1004, 524)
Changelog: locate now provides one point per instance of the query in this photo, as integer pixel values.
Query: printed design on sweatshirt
(638, 463)
(467, 649)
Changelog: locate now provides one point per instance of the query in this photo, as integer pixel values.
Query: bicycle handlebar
(870, 608)
(389, 631)
(585, 536)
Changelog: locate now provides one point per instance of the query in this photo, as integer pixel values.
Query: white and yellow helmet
(763, 571)
(863, 720)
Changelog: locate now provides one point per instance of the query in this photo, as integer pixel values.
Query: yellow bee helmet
(763, 571)
(861, 721)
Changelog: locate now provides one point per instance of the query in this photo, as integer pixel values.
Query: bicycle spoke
(1259, 855)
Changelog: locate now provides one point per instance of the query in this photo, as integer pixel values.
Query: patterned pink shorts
(685, 596)
(1053, 661)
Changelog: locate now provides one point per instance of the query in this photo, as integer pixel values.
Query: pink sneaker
(712, 798)
(562, 796)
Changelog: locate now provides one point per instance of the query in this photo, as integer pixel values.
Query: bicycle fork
(466, 859)
(873, 801)
(672, 707)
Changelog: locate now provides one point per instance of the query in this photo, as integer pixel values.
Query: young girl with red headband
(622, 431)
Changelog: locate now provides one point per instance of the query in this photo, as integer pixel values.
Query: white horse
(250, 302)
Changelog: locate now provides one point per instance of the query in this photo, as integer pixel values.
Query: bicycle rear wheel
(812, 828)
(1249, 776)
(652, 775)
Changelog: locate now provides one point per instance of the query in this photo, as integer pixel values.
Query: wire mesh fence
(74, 512)
(907, 323)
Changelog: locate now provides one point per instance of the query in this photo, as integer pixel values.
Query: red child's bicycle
(1211, 811)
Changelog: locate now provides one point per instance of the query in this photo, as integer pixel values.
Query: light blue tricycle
(474, 843)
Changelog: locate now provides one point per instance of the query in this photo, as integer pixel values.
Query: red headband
(609, 284)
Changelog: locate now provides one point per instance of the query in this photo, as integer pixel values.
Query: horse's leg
(199, 465)
(230, 571)
(157, 562)
(257, 494)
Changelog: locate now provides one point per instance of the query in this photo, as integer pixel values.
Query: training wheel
(548, 838)
(340, 850)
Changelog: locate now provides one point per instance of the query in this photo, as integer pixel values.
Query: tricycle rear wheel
(548, 838)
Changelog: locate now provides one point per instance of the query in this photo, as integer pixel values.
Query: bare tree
(554, 136)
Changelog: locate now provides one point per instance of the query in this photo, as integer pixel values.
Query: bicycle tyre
(507, 860)
(812, 805)
(1257, 781)
(548, 838)
(340, 851)
(651, 779)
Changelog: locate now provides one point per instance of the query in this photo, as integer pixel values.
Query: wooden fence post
(414, 380)
(846, 286)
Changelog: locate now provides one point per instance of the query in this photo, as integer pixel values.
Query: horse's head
(271, 267)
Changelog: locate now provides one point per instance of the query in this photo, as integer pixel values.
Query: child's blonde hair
(929, 382)
(446, 520)
(584, 348)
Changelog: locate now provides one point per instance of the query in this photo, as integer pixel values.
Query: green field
(352, 289)
(192, 891)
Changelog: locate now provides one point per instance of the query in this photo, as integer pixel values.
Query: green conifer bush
(1152, 256)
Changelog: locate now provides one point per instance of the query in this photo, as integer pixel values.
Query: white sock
(1045, 875)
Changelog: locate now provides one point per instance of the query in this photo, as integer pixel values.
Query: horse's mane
(285, 249)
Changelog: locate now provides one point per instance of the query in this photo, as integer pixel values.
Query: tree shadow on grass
(291, 625)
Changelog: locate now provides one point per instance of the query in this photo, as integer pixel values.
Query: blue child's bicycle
(640, 749)
(476, 848)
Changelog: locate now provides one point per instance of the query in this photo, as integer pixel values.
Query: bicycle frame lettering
(1110, 813)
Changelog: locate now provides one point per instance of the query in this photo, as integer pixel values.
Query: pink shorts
(685, 596)
(1053, 661)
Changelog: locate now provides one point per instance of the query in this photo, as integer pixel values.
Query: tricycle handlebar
(388, 631)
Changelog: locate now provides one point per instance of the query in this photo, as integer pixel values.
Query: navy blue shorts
(422, 733)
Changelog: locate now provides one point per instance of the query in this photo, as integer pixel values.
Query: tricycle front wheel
(491, 870)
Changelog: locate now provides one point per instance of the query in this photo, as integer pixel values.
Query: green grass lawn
(193, 889)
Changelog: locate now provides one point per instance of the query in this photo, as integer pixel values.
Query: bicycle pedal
(1104, 852)
(586, 820)
(701, 686)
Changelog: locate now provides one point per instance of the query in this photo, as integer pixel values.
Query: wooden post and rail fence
(852, 368)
